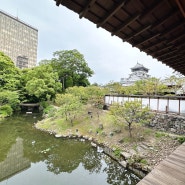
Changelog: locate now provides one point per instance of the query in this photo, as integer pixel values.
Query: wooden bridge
(171, 171)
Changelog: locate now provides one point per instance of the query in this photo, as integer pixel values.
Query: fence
(170, 104)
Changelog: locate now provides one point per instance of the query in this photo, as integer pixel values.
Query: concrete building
(18, 40)
(139, 72)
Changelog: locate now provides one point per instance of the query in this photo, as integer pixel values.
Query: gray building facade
(18, 40)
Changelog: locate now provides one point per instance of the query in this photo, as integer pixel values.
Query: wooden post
(158, 104)
(179, 106)
(167, 106)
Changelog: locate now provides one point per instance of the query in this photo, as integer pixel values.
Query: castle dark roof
(156, 27)
(139, 66)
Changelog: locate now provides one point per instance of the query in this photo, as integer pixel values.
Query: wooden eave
(155, 27)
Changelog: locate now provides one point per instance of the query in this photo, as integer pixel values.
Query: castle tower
(139, 72)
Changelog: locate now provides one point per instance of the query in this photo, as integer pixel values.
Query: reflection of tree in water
(117, 175)
(60, 155)
(67, 157)
(92, 161)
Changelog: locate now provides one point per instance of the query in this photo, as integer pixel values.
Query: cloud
(61, 29)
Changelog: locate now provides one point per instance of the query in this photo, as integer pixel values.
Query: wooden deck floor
(171, 171)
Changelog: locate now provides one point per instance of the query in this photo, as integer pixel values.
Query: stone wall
(169, 122)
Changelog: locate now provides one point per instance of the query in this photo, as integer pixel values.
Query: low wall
(168, 122)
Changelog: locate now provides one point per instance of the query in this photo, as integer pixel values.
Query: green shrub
(50, 110)
(181, 139)
(5, 110)
(159, 134)
(117, 152)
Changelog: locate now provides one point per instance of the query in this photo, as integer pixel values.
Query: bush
(5, 110)
(50, 110)
(181, 139)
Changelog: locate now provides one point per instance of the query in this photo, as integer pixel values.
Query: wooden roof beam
(176, 61)
(165, 19)
(111, 13)
(181, 7)
(166, 53)
(178, 56)
(176, 38)
(125, 24)
(138, 32)
(58, 2)
(86, 8)
(147, 39)
(133, 18)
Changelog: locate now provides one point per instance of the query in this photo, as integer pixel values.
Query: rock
(126, 155)
(123, 163)
(111, 134)
(117, 131)
(132, 152)
(58, 135)
(101, 126)
(93, 144)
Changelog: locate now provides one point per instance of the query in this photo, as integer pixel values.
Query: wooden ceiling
(156, 27)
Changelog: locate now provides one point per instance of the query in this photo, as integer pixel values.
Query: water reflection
(42, 159)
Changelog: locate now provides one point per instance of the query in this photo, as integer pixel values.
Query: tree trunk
(129, 128)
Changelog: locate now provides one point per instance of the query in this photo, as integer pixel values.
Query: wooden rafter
(141, 30)
(125, 24)
(87, 8)
(146, 39)
(166, 53)
(178, 56)
(111, 13)
(181, 7)
(58, 2)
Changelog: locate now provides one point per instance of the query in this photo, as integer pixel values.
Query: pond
(31, 157)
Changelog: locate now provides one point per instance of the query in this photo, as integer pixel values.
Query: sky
(61, 29)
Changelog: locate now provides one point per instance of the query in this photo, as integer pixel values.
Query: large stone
(126, 155)
(123, 163)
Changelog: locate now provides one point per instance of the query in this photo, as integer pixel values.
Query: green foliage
(5, 110)
(117, 152)
(96, 95)
(115, 88)
(144, 161)
(69, 104)
(130, 112)
(181, 139)
(9, 74)
(79, 92)
(71, 67)
(176, 83)
(40, 83)
(160, 134)
(10, 98)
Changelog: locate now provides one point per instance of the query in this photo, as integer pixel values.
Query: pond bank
(140, 155)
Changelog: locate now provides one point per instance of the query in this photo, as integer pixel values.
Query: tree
(175, 83)
(69, 104)
(115, 87)
(9, 102)
(40, 83)
(130, 112)
(9, 74)
(71, 67)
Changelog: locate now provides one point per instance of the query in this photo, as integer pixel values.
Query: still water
(31, 157)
